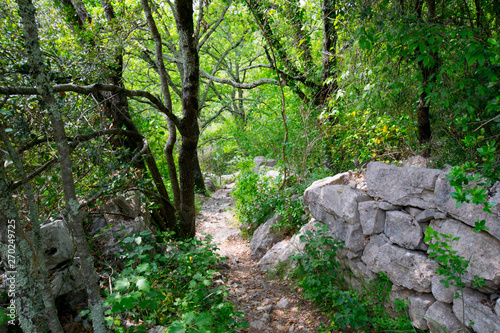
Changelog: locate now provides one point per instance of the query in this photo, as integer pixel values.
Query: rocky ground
(270, 304)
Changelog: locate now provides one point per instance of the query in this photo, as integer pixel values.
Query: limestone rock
(387, 206)
(440, 314)
(484, 318)
(497, 308)
(402, 229)
(372, 218)
(271, 163)
(271, 259)
(257, 324)
(481, 249)
(427, 215)
(259, 161)
(338, 179)
(56, 243)
(283, 303)
(418, 307)
(67, 280)
(440, 292)
(265, 237)
(397, 293)
(354, 238)
(416, 161)
(402, 186)
(413, 211)
(405, 268)
(119, 208)
(119, 230)
(467, 212)
(337, 200)
(209, 184)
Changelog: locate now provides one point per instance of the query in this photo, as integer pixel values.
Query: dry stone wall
(382, 223)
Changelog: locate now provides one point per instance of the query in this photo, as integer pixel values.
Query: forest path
(270, 304)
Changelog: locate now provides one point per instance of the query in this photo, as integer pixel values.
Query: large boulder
(67, 280)
(409, 269)
(118, 230)
(271, 163)
(338, 200)
(483, 317)
(467, 212)
(258, 161)
(265, 237)
(56, 243)
(121, 208)
(271, 259)
(481, 249)
(403, 186)
(402, 229)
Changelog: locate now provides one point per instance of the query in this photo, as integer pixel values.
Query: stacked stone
(382, 225)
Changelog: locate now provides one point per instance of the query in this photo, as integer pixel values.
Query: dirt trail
(269, 304)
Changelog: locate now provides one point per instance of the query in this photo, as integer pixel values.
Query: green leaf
(128, 240)
(176, 327)
(122, 284)
(143, 284)
(203, 320)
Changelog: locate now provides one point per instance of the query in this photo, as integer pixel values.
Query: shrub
(168, 282)
(258, 197)
(321, 275)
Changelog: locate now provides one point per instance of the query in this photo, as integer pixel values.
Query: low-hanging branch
(93, 88)
(80, 138)
(74, 141)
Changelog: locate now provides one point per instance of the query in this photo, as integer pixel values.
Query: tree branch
(93, 88)
(235, 84)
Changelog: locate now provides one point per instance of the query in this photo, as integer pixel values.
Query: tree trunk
(189, 123)
(172, 131)
(199, 182)
(428, 77)
(40, 270)
(329, 60)
(27, 13)
(116, 108)
(28, 301)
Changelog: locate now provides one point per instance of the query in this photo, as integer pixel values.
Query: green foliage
(170, 283)
(258, 197)
(361, 136)
(321, 275)
(452, 266)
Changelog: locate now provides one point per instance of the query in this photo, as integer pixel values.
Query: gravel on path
(270, 304)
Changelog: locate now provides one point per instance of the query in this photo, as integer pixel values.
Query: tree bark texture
(42, 282)
(27, 13)
(428, 72)
(28, 300)
(189, 123)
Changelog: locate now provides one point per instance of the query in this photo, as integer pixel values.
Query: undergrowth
(323, 279)
(259, 197)
(170, 283)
